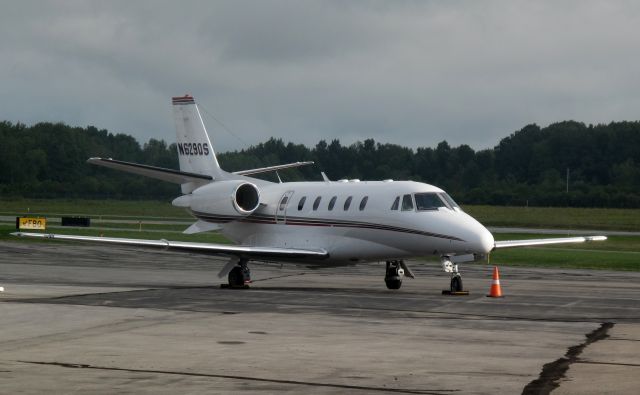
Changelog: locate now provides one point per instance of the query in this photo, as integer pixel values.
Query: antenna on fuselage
(324, 177)
(278, 175)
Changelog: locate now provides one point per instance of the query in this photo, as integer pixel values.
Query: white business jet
(328, 223)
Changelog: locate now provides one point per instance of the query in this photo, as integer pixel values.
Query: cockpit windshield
(433, 201)
(429, 201)
(450, 201)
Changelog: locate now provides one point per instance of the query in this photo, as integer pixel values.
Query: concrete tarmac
(77, 318)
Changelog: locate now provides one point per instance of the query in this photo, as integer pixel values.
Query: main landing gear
(394, 274)
(240, 275)
(396, 270)
(455, 287)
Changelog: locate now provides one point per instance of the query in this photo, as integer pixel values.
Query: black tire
(236, 277)
(246, 275)
(392, 272)
(456, 284)
(394, 282)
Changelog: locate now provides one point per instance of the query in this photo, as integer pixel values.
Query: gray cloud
(411, 73)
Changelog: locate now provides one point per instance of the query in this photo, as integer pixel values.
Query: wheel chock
(455, 293)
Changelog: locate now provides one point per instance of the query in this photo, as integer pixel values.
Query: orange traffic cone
(495, 291)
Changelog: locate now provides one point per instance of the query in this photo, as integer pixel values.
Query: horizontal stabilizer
(250, 252)
(539, 242)
(160, 173)
(271, 168)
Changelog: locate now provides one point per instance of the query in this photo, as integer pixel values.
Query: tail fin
(195, 152)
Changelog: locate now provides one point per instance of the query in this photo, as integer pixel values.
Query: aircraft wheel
(393, 275)
(456, 283)
(236, 277)
(393, 282)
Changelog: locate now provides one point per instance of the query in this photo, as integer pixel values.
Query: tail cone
(495, 291)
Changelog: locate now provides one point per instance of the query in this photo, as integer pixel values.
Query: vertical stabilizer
(195, 152)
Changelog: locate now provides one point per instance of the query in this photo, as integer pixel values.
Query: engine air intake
(246, 198)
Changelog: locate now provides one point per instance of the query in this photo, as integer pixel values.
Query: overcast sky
(406, 72)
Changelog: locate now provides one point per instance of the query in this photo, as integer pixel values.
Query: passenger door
(281, 210)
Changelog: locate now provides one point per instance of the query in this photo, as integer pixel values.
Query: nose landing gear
(455, 287)
(456, 283)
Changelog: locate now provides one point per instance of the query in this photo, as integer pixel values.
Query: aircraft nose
(484, 240)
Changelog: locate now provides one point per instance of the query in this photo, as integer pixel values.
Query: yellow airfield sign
(32, 223)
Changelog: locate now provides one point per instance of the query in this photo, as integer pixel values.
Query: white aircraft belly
(342, 243)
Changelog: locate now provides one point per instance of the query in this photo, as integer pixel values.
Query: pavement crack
(248, 378)
(553, 372)
(610, 363)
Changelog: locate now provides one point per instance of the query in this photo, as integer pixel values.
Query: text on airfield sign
(32, 223)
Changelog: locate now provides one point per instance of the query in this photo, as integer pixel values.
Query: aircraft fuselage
(357, 221)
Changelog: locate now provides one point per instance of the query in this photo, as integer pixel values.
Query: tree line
(529, 167)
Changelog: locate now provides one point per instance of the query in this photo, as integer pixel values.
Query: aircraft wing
(539, 242)
(255, 252)
(160, 173)
(271, 168)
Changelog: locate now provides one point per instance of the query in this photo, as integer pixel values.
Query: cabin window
(363, 202)
(316, 203)
(283, 202)
(396, 203)
(407, 203)
(429, 201)
(347, 203)
(301, 203)
(332, 202)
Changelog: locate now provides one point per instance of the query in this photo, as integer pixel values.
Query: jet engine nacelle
(223, 198)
